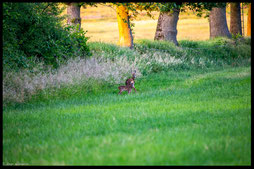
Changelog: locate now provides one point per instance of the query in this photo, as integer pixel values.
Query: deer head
(132, 83)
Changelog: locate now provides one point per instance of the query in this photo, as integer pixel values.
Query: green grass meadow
(60, 91)
(177, 117)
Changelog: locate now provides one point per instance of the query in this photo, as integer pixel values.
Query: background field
(101, 24)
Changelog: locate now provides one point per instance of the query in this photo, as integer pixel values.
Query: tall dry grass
(19, 86)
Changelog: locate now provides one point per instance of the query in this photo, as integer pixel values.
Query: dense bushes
(156, 56)
(34, 31)
(217, 48)
(198, 54)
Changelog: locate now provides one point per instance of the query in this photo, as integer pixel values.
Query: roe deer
(128, 81)
(126, 88)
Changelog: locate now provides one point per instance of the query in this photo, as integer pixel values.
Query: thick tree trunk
(249, 22)
(235, 19)
(166, 26)
(125, 34)
(73, 11)
(218, 23)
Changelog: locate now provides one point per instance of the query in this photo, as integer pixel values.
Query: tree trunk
(235, 19)
(166, 26)
(249, 22)
(73, 11)
(218, 23)
(125, 34)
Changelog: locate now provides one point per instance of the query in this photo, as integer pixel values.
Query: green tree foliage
(199, 8)
(34, 31)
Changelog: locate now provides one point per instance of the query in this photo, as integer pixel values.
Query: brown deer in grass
(128, 87)
(128, 81)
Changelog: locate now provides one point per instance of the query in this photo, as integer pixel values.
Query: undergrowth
(110, 65)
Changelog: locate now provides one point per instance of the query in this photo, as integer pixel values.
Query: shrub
(163, 46)
(112, 51)
(34, 30)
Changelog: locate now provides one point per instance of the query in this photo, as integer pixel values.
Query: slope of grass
(175, 118)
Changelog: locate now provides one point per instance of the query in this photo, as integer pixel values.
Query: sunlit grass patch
(103, 19)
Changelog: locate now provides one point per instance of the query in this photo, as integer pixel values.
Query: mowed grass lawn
(175, 118)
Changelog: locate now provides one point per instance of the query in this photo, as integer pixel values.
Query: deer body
(126, 88)
(128, 81)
